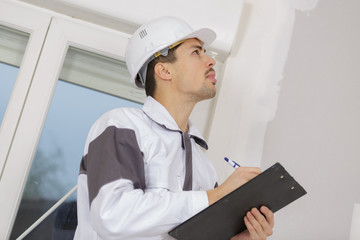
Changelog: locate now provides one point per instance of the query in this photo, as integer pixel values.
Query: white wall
(316, 130)
(249, 91)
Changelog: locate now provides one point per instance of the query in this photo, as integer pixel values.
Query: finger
(250, 228)
(269, 215)
(265, 225)
(258, 231)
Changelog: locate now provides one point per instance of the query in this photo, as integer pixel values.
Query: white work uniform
(132, 175)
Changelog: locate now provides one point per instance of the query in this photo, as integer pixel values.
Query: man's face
(193, 72)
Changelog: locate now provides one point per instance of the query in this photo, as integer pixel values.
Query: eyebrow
(198, 47)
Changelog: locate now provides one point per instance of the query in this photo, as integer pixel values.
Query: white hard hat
(156, 36)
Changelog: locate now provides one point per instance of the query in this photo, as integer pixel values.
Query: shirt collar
(159, 114)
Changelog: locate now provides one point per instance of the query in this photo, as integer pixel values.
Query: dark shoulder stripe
(113, 155)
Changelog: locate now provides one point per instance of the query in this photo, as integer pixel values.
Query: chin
(209, 95)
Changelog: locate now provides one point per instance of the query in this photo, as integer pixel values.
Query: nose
(210, 61)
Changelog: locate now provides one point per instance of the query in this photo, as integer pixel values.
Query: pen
(232, 163)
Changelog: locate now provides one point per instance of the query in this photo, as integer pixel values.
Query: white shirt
(132, 175)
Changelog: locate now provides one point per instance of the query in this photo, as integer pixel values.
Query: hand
(239, 177)
(258, 226)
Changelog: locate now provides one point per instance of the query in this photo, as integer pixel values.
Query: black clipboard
(274, 188)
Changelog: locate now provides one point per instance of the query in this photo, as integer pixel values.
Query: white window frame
(16, 16)
(62, 33)
(23, 19)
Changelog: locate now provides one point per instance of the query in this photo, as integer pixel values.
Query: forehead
(191, 42)
(194, 40)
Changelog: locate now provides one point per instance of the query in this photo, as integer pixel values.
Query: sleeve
(120, 205)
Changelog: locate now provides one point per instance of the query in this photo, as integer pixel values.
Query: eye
(196, 52)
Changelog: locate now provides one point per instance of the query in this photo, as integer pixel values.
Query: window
(56, 164)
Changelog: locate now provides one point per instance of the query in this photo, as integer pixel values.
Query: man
(143, 171)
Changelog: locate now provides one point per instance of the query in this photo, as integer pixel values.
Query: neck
(179, 110)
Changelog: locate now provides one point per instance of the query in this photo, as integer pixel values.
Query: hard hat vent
(143, 33)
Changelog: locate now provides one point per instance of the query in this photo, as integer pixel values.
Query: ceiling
(221, 16)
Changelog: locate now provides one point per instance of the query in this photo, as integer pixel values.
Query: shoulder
(121, 118)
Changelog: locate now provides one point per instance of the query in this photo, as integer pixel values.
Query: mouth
(211, 76)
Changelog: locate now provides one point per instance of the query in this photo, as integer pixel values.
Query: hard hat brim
(206, 35)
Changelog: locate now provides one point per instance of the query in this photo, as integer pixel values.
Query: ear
(162, 71)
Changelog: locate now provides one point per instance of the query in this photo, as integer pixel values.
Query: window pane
(12, 45)
(56, 165)
(59, 225)
(7, 80)
(101, 73)
(12, 48)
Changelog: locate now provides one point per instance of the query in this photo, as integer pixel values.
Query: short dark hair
(150, 83)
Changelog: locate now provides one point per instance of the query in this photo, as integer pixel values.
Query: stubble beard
(204, 93)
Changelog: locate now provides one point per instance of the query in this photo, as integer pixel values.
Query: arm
(121, 212)
(120, 205)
